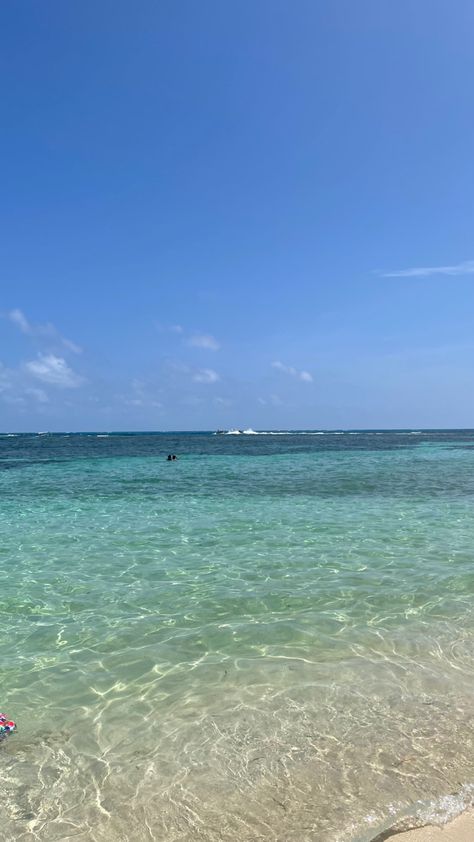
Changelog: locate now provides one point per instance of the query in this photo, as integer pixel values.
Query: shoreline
(459, 829)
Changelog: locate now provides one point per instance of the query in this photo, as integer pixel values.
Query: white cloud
(52, 369)
(204, 340)
(293, 372)
(206, 375)
(222, 401)
(13, 389)
(465, 268)
(194, 340)
(47, 330)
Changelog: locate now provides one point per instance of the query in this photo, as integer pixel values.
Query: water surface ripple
(270, 639)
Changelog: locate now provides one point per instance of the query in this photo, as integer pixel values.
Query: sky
(236, 214)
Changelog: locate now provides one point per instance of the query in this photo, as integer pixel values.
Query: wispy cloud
(465, 268)
(45, 331)
(70, 345)
(143, 402)
(273, 400)
(38, 394)
(204, 340)
(206, 375)
(193, 340)
(54, 370)
(142, 395)
(166, 328)
(19, 319)
(293, 372)
(14, 388)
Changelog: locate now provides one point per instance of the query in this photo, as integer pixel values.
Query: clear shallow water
(270, 639)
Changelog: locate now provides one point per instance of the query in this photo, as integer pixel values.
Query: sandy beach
(460, 829)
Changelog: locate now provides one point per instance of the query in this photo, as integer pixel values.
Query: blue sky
(236, 214)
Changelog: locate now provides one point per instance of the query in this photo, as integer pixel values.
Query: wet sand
(459, 830)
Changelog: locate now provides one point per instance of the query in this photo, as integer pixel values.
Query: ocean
(269, 639)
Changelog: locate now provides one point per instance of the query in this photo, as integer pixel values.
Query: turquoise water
(270, 639)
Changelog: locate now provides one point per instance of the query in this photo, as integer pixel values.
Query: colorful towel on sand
(6, 726)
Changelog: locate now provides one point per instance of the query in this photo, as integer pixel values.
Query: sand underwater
(270, 639)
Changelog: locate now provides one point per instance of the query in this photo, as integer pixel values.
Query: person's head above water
(174, 456)
(169, 457)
